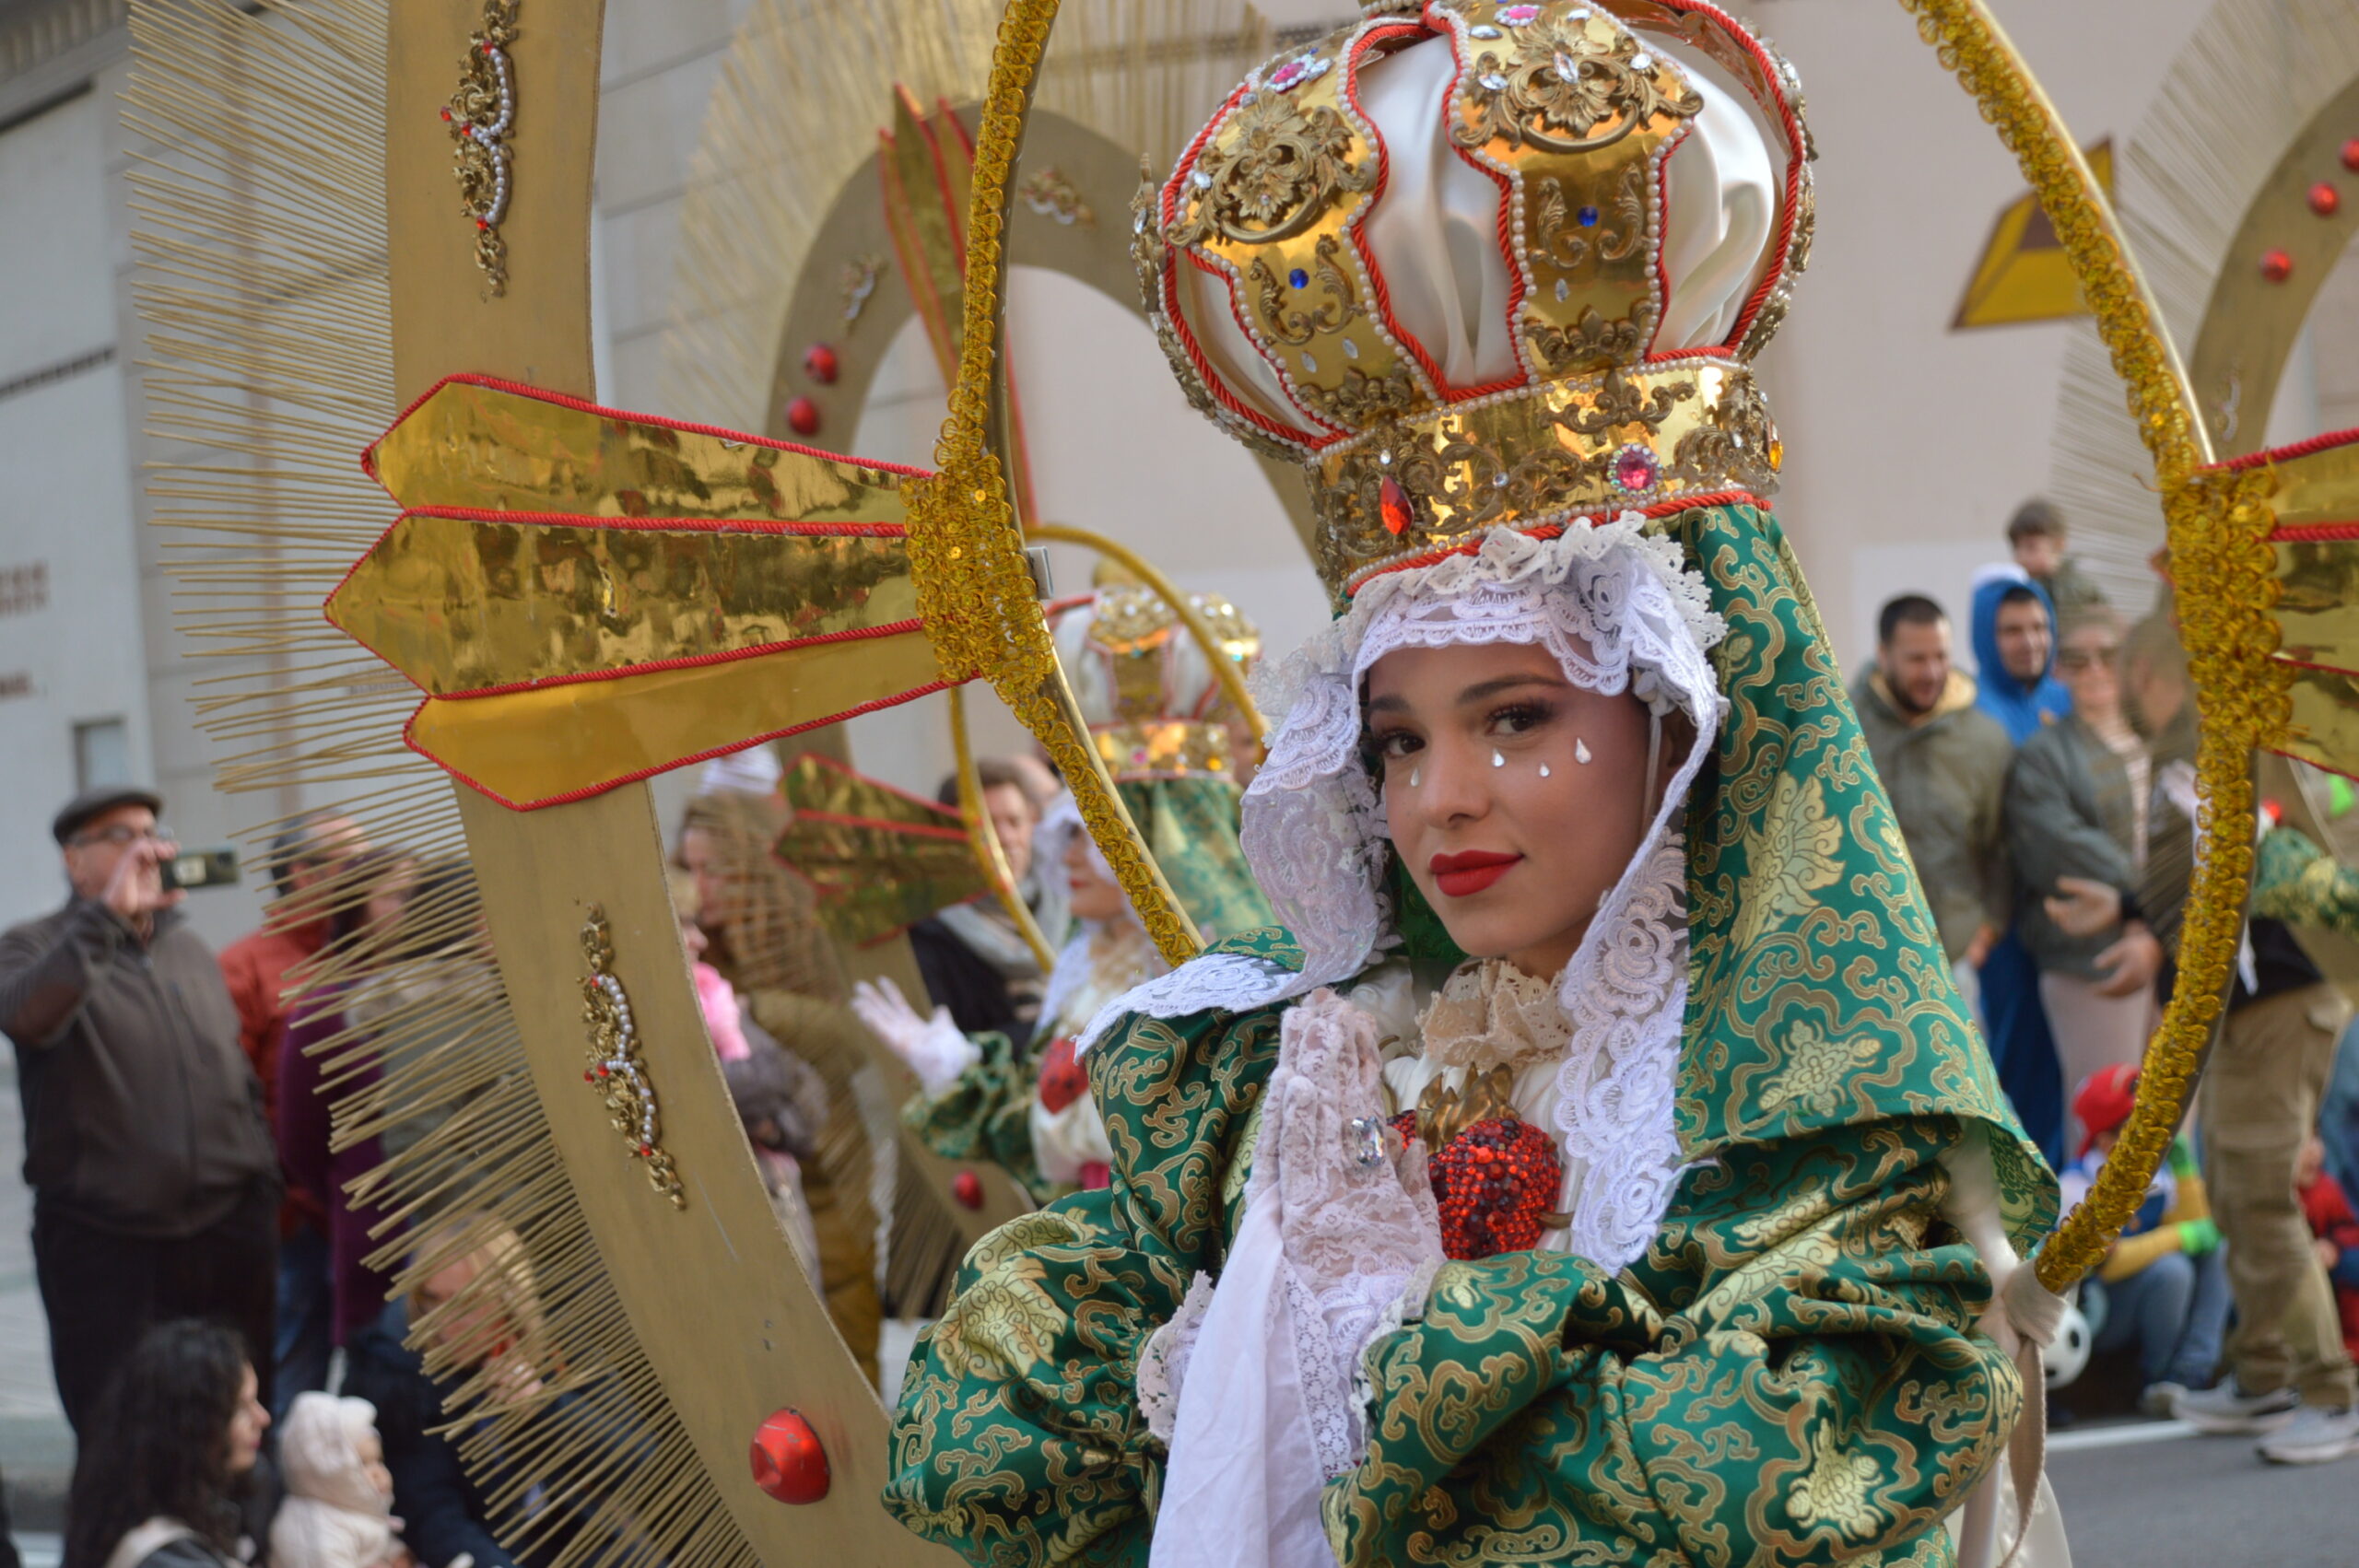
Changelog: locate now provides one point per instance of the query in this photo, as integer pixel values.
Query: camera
(200, 868)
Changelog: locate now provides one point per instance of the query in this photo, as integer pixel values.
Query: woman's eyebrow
(1387, 704)
(1482, 690)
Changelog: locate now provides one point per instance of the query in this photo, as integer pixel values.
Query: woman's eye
(1397, 745)
(1519, 718)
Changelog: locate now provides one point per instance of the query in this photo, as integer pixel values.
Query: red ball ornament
(789, 1462)
(803, 417)
(2276, 265)
(2325, 200)
(2351, 155)
(819, 364)
(967, 1188)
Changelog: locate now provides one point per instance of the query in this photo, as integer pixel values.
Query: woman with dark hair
(169, 1453)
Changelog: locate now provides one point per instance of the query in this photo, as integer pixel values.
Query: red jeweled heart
(1494, 1185)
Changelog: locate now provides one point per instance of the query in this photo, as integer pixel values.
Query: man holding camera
(155, 1182)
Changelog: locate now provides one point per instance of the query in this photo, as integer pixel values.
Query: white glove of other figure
(933, 1048)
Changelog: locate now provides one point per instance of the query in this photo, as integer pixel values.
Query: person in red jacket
(306, 861)
(2327, 1209)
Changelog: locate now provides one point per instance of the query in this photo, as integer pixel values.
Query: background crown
(1490, 264)
(1154, 708)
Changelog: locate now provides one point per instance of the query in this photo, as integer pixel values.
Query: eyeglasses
(2085, 658)
(123, 834)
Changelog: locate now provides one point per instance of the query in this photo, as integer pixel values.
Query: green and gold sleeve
(2296, 882)
(987, 1115)
(1019, 1438)
(1788, 1376)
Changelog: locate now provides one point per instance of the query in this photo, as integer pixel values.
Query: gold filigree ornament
(616, 1070)
(481, 115)
(2219, 518)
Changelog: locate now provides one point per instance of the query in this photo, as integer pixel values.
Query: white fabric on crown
(1434, 233)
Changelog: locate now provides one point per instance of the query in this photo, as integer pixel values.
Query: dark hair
(1908, 610)
(158, 1442)
(991, 773)
(2022, 594)
(2035, 519)
(292, 845)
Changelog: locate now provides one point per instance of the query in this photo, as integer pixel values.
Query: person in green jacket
(1597, 1165)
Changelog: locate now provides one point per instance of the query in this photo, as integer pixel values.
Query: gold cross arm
(587, 597)
(2313, 499)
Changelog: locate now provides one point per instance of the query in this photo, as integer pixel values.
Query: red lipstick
(1469, 871)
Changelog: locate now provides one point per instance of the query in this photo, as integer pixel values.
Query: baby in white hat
(338, 1511)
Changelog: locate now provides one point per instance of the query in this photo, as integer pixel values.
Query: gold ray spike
(880, 859)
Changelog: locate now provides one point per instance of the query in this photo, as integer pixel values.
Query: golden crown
(1154, 710)
(1265, 274)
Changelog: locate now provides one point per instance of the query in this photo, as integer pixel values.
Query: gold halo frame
(2218, 522)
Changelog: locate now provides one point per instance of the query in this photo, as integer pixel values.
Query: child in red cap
(2163, 1287)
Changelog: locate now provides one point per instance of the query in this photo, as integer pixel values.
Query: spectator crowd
(2048, 799)
(245, 1381)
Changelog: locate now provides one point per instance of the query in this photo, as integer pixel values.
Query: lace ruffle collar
(1491, 1013)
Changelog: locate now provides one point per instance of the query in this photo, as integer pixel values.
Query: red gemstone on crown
(2325, 200)
(967, 1188)
(1636, 470)
(1392, 505)
(819, 364)
(2276, 265)
(803, 417)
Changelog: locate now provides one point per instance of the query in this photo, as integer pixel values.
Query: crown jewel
(1491, 263)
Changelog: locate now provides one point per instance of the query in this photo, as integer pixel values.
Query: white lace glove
(933, 1048)
(1355, 1208)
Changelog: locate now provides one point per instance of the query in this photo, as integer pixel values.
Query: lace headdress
(1619, 612)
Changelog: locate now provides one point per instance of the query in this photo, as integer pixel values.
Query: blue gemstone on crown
(1299, 278)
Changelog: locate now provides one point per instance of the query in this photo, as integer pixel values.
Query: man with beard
(1944, 763)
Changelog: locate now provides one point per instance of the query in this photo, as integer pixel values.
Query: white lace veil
(1621, 612)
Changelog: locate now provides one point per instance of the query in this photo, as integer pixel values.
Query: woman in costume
(1171, 739)
(1601, 1168)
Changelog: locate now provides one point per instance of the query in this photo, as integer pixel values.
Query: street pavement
(2151, 1494)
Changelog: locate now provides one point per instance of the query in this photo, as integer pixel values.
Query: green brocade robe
(1790, 1375)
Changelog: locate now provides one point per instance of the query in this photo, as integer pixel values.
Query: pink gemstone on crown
(1518, 16)
(1636, 470)
(1297, 71)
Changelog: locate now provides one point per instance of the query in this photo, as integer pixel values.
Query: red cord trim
(1550, 531)
(2313, 533)
(884, 824)
(409, 739)
(583, 405)
(2332, 439)
(2313, 664)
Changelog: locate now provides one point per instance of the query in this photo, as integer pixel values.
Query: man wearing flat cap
(155, 1183)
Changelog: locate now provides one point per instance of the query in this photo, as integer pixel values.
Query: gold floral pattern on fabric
(1811, 937)
(1800, 841)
